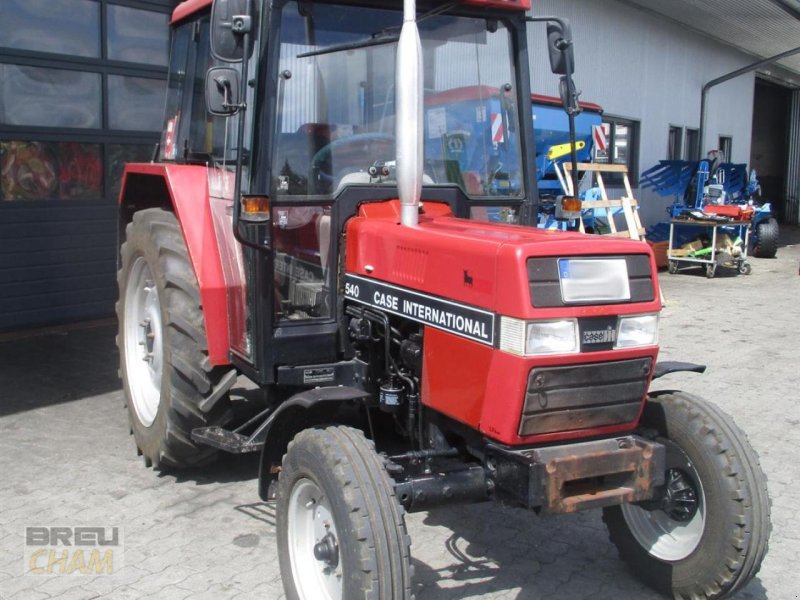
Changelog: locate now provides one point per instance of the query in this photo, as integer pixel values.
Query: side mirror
(230, 21)
(222, 91)
(559, 46)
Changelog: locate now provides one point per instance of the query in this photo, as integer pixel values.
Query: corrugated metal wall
(57, 263)
(792, 207)
(651, 70)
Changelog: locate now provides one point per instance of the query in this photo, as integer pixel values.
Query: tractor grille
(584, 396)
(545, 285)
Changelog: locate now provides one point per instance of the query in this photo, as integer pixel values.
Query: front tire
(707, 536)
(169, 385)
(341, 530)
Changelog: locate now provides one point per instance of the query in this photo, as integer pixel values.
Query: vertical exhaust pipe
(408, 121)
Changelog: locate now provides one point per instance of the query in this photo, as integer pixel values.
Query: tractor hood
(481, 264)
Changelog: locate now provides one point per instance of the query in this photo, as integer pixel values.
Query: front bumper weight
(579, 475)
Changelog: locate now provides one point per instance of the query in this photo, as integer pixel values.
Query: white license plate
(594, 280)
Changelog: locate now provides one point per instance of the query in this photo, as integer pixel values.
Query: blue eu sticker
(563, 268)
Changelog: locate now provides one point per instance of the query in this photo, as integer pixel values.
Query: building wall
(81, 93)
(643, 67)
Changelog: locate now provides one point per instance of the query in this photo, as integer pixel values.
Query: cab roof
(188, 7)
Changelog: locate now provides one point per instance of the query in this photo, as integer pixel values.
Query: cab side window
(178, 63)
(190, 133)
(208, 133)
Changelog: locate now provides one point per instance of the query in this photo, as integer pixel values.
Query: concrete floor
(66, 459)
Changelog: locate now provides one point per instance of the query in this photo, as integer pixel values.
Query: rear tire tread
(767, 235)
(191, 376)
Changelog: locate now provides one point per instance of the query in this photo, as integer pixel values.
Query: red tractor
(410, 357)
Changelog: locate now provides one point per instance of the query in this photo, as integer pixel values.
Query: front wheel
(341, 530)
(706, 534)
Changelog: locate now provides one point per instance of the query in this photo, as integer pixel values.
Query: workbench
(710, 257)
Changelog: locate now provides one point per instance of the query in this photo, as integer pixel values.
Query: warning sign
(600, 137)
(497, 128)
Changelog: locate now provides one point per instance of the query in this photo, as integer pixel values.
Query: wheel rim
(672, 531)
(313, 544)
(144, 355)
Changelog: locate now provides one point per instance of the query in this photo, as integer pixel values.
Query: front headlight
(531, 338)
(636, 331)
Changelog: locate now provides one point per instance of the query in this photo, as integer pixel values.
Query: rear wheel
(341, 530)
(766, 239)
(707, 533)
(170, 387)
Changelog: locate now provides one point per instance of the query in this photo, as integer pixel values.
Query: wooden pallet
(627, 206)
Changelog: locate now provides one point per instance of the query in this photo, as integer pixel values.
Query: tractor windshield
(336, 113)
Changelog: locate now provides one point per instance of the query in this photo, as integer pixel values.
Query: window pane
(209, 135)
(674, 143)
(120, 154)
(61, 26)
(177, 78)
(621, 134)
(692, 144)
(135, 103)
(49, 170)
(49, 97)
(726, 147)
(137, 35)
(336, 118)
(622, 149)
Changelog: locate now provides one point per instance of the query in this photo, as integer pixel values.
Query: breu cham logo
(73, 550)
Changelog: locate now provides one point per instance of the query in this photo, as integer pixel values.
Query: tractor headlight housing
(535, 338)
(636, 331)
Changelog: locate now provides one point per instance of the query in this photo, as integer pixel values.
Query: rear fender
(184, 190)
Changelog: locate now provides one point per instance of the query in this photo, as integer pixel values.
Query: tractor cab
(311, 115)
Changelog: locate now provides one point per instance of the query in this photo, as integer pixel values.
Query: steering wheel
(359, 149)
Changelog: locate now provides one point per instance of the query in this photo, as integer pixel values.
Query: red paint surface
(470, 382)
(188, 189)
(188, 8)
(507, 379)
(507, 4)
(485, 388)
(488, 252)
